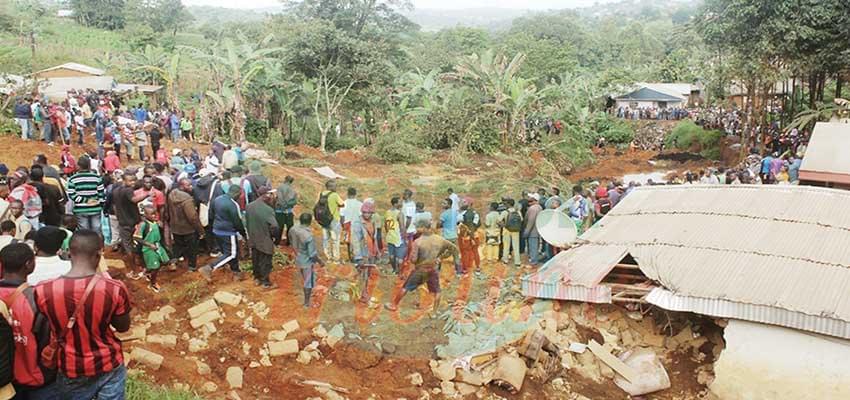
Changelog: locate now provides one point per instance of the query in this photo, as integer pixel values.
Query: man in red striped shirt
(90, 359)
(31, 329)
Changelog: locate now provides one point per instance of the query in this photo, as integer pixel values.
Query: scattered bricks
(196, 345)
(156, 317)
(283, 348)
(210, 387)
(202, 308)
(290, 326)
(266, 361)
(304, 357)
(261, 309)
(442, 370)
(136, 333)
(233, 395)
(151, 359)
(166, 311)
(168, 341)
(320, 332)
(246, 348)
(208, 329)
(416, 379)
(205, 318)
(230, 299)
(277, 336)
(254, 364)
(234, 377)
(203, 368)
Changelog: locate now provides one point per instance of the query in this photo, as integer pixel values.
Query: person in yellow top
(327, 214)
(395, 246)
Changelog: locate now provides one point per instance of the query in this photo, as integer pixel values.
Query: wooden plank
(627, 266)
(624, 370)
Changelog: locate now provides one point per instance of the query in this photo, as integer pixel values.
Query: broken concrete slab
(210, 387)
(261, 309)
(465, 389)
(277, 336)
(443, 370)
(290, 326)
(510, 372)
(474, 378)
(227, 298)
(320, 332)
(283, 348)
(650, 373)
(304, 357)
(448, 389)
(148, 358)
(167, 310)
(605, 355)
(234, 377)
(202, 308)
(197, 345)
(266, 361)
(206, 318)
(168, 341)
(203, 368)
(156, 317)
(416, 379)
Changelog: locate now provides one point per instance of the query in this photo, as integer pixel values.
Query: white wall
(645, 104)
(770, 362)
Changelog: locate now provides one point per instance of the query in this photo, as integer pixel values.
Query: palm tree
(235, 66)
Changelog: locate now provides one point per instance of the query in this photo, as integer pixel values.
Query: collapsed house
(773, 260)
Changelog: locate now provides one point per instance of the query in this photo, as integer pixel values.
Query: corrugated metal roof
(75, 67)
(647, 94)
(682, 90)
(827, 150)
(58, 87)
(782, 247)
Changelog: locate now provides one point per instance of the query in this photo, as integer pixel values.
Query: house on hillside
(68, 70)
(659, 96)
(826, 162)
(57, 81)
(777, 275)
(737, 93)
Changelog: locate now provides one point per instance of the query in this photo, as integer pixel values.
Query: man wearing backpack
(327, 214)
(81, 306)
(30, 329)
(511, 221)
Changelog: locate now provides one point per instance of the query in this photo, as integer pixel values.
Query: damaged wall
(770, 362)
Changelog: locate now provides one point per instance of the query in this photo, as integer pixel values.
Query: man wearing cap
(226, 218)
(254, 181)
(364, 246)
(263, 234)
(425, 255)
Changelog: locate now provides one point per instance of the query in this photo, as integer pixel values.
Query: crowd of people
(656, 113)
(114, 125)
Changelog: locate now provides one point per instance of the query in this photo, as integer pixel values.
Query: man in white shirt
(408, 211)
(7, 233)
(48, 265)
(455, 199)
(350, 213)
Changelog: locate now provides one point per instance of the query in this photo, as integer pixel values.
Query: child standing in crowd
(150, 239)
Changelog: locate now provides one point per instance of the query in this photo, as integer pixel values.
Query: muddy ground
(407, 339)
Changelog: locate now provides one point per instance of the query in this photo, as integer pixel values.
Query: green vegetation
(308, 71)
(689, 136)
(138, 389)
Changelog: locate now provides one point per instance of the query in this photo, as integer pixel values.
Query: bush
(344, 142)
(614, 130)
(686, 134)
(400, 148)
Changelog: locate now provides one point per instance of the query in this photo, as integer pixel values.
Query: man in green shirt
(330, 234)
(86, 190)
(186, 127)
(263, 234)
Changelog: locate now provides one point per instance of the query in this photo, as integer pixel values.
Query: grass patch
(139, 389)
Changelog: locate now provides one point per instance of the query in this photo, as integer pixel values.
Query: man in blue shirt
(174, 123)
(140, 114)
(448, 221)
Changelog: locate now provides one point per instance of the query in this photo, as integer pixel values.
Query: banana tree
(167, 72)
(240, 63)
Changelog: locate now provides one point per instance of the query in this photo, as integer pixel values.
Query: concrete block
(196, 345)
(234, 377)
(277, 336)
(202, 308)
(148, 358)
(168, 341)
(230, 299)
(206, 318)
(283, 348)
(291, 326)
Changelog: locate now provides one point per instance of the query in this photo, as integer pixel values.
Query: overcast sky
(448, 4)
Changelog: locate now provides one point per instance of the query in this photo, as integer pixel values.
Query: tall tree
(104, 14)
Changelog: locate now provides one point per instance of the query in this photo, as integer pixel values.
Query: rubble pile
(649, 135)
(601, 344)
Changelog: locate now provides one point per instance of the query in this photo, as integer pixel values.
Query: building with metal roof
(69, 70)
(657, 95)
(777, 255)
(826, 162)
